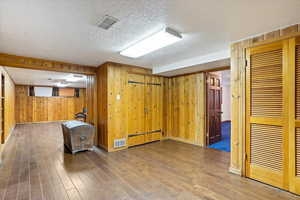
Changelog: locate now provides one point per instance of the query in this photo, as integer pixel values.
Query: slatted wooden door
(3, 134)
(136, 109)
(214, 101)
(266, 118)
(294, 115)
(153, 108)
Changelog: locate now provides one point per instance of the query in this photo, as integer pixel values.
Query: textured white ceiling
(66, 30)
(41, 78)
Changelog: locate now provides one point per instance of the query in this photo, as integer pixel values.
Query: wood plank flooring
(36, 167)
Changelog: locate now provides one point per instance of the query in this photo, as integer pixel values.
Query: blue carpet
(224, 144)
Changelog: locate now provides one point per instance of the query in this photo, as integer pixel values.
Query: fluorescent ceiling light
(157, 41)
(62, 84)
(74, 78)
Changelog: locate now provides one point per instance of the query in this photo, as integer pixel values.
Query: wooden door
(266, 116)
(136, 109)
(294, 115)
(3, 109)
(153, 108)
(214, 101)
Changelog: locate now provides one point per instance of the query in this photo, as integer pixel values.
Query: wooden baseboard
(99, 149)
(111, 149)
(163, 138)
(118, 149)
(101, 146)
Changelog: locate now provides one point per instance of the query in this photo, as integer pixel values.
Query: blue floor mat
(224, 144)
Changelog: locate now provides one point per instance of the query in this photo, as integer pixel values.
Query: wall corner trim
(235, 171)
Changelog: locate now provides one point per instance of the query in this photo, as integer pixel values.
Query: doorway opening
(218, 110)
(48, 96)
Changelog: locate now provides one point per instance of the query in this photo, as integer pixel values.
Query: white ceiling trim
(220, 55)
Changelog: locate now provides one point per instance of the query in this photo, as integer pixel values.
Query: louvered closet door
(266, 120)
(294, 114)
(153, 101)
(136, 105)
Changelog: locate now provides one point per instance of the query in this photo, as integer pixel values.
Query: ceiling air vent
(107, 22)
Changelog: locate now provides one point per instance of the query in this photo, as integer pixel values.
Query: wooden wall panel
(238, 107)
(136, 104)
(9, 105)
(182, 97)
(42, 109)
(185, 108)
(154, 103)
(167, 111)
(117, 108)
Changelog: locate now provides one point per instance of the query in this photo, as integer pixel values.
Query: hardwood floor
(36, 167)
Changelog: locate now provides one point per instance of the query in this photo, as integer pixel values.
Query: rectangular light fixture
(74, 78)
(62, 84)
(156, 41)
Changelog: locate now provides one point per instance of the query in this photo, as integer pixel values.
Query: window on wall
(53, 92)
(43, 91)
(66, 92)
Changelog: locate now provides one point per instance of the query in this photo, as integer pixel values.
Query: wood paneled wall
(184, 116)
(43, 109)
(183, 105)
(113, 112)
(238, 86)
(9, 105)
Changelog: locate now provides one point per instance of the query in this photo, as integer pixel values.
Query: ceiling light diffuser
(156, 41)
(62, 84)
(74, 78)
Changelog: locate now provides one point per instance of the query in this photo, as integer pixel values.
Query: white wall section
(226, 96)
